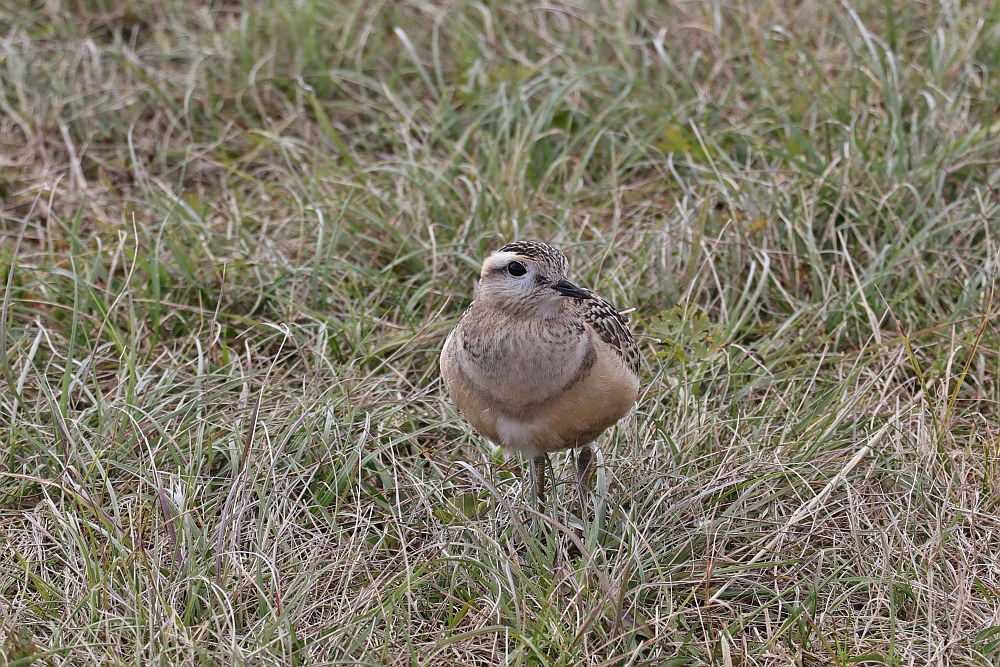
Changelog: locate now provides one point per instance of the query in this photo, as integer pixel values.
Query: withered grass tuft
(234, 234)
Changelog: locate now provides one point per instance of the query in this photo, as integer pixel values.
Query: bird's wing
(612, 327)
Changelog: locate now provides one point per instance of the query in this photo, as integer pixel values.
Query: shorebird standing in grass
(538, 364)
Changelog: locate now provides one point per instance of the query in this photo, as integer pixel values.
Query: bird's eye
(516, 269)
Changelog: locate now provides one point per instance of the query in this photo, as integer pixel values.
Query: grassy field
(234, 235)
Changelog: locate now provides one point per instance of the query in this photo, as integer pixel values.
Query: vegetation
(233, 236)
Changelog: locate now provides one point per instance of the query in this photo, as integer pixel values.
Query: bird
(538, 364)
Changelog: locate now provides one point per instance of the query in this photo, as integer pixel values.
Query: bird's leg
(584, 469)
(537, 472)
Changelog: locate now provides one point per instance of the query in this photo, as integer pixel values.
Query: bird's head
(527, 275)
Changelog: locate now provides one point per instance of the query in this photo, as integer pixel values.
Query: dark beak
(566, 288)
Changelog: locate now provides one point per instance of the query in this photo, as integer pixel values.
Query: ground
(234, 235)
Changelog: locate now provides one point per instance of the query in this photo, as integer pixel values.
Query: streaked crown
(542, 253)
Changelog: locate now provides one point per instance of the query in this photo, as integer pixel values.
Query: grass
(233, 237)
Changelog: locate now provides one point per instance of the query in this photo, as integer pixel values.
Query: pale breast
(578, 415)
(542, 385)
(476, 407)
(520, 363)
(583, 407)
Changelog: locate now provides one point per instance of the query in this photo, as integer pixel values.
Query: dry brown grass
(232, 239)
